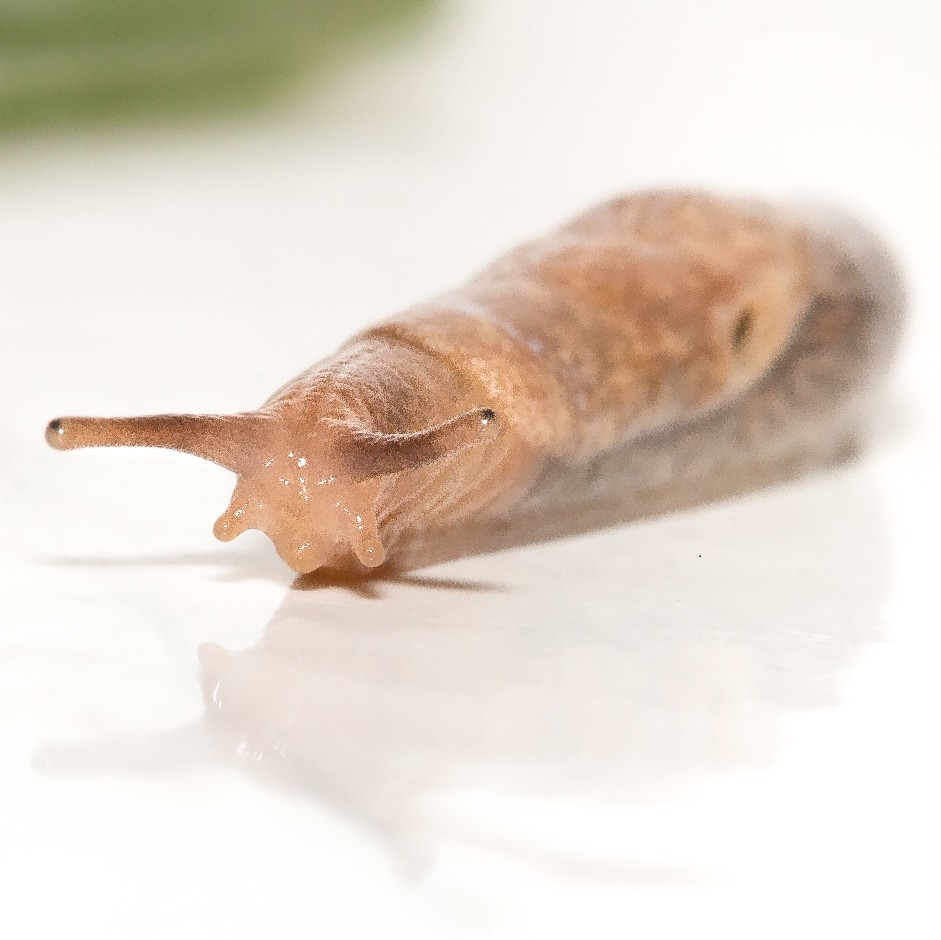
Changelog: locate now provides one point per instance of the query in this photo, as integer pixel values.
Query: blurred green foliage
(65, 61)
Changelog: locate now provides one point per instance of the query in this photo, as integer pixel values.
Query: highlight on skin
(655, 338)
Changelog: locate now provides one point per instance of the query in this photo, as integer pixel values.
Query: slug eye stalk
(364, 454)
(223, 439)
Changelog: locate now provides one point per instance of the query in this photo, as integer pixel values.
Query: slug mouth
(306, 557)
(304, 551)
(301, 556)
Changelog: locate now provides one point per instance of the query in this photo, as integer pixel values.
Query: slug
(676, 330)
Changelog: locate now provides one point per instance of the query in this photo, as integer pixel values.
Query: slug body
(681, 326)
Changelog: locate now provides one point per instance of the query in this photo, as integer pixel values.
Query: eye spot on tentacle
(55, 434)
(743, 328)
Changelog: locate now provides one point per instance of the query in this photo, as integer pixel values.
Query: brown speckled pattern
(653, 338)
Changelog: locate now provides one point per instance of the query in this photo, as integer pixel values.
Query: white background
(718, 723)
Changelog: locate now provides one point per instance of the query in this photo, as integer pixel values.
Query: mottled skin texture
(655, 337)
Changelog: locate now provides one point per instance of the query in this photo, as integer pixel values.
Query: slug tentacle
(228, 440)
(366, 454)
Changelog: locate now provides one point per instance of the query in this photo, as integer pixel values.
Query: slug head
(313, 492)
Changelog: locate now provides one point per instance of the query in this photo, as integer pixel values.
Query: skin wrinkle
(659, 336)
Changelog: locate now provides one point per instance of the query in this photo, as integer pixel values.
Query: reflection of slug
(647, 314)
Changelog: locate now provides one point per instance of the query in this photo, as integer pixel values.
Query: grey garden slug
(677, 328)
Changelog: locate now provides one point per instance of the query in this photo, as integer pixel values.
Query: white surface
(720, 723)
